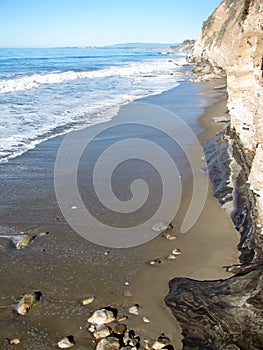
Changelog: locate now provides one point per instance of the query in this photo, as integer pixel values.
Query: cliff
(231, 43)
(227, 314)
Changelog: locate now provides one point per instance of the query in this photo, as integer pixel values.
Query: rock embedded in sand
(161, 342)
(134, 309)
(66, 342)
(162, 226)
(222, 119)
(127, 294)
(27, 302)
(145, 319)
(155, 262)
(102, 316)
(24, 241)
(170, 237)
(88, 301)
(109, 343)
(15, 341)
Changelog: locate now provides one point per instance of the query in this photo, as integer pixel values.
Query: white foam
(129, 70)
(31, 116)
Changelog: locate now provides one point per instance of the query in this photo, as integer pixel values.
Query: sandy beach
(67, 268)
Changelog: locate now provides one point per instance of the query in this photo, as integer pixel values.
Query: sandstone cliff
(231, 43)
(227, 314)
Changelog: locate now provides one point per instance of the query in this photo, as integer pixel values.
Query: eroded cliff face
(231, 43)
(227, 314)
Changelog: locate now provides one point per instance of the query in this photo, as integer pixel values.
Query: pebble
(176, 251)
(134, 310)
(127, 283)
(155, 262)
(171, 257)
(122, 319)
(109, 343)
(27, 302)
(102, 316)
(24, 241)
(15, 341)
(145, 319)
(170, 237)
(66, 342)
(88, 301)
(127, 294)
(162, 226)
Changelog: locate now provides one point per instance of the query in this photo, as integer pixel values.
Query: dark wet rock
(229, 169)
(223, 314)
(119, 329)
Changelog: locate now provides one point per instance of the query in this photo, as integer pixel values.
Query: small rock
(24, 241)
(126, 347)
(127, 283)
(162, 226)
(145, 319)
(171, 257)
(66, 342)
(127, 294)
(155, 262)
(134, 309)
(101, 331)
(27, 302)
(119, 329)
(88, 301)
(170, 237)
(109, 343)
(161, 342)
(15, 341)
(176, 251)
(223, 119)
(102, 316)
(122, 319)
(92, 328)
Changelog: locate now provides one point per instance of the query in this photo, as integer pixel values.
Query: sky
(49, 23)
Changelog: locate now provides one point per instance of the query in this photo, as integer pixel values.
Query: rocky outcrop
(186, 46)
(220, 315)
(227, 314)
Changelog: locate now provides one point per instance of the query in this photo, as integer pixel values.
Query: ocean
(49, 92)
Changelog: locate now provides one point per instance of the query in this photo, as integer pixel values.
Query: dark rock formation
(220, 315)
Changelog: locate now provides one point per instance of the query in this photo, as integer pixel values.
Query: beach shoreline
(66, 268)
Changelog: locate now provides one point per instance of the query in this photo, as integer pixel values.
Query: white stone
(102, 317)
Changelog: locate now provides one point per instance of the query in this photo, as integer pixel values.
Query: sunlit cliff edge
(231, 43)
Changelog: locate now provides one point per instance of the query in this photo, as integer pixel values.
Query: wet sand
(67, 268)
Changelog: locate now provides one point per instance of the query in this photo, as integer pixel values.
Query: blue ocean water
(48, 92)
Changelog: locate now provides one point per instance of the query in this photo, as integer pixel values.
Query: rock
(161, 342)
(223, 119)
(145, 319)
(101, 331)
(162, 226)
(176, 251)
(171, 257)
(109, 343)
(221, 312)
(155, 262)
(126, 348)
(127, 294)
(170, 237)
(122, 319)
(102, 316)
(119, 329)
(88, 301)
(27, 302)
(15, 341)
(24, 241)
(134, 309)
(92, 328)
(66, 342)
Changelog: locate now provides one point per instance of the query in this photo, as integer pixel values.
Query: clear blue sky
(46, 23)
